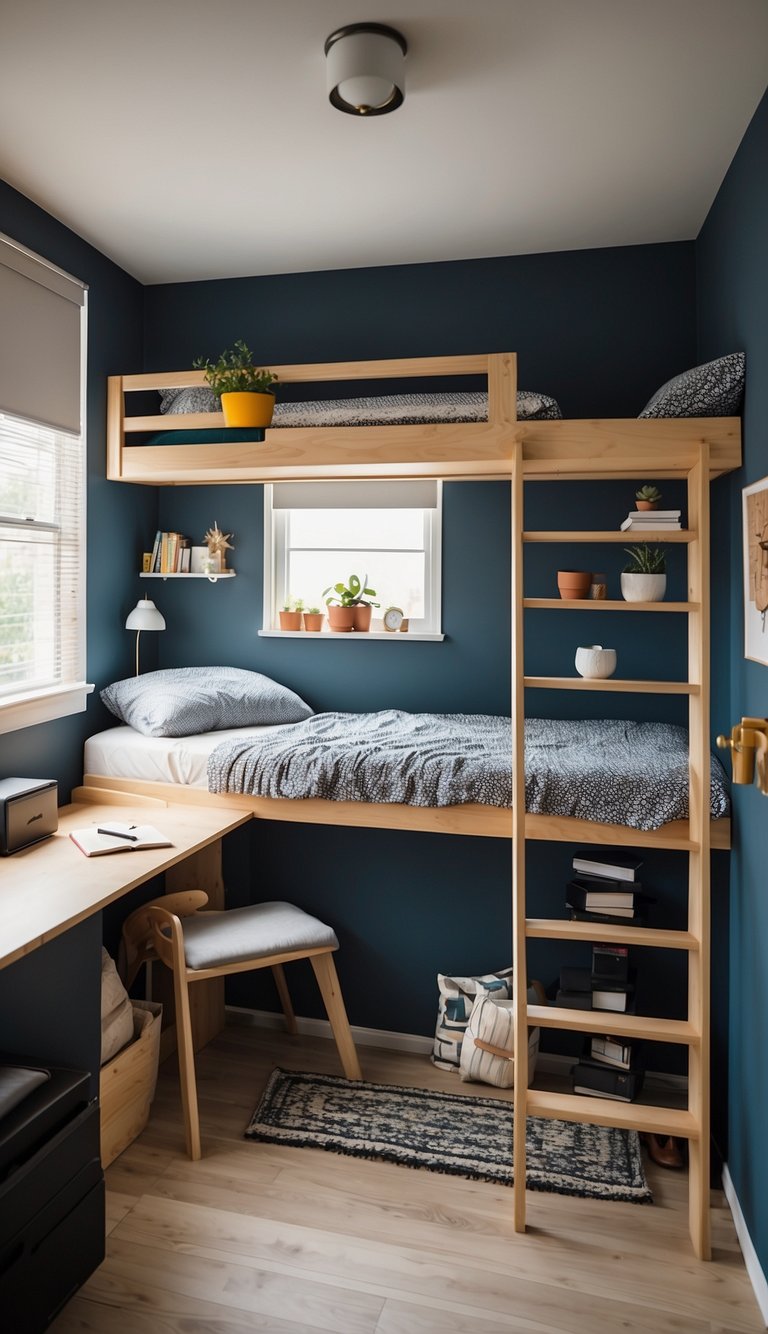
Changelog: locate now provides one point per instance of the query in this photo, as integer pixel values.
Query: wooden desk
(50, 887)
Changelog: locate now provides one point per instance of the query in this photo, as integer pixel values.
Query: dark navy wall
(732, 270)
(118, 516)
(599, 330)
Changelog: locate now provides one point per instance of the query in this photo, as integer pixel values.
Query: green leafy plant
(355, 593)
(235, 373)
(649, 493)
(645, 560)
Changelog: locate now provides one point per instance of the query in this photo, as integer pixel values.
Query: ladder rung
(553, 929)
(608, 1021)
(606, 1112)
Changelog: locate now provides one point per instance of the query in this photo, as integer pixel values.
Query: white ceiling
(193, 139)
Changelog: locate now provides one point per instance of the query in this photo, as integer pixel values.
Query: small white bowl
(595, 662)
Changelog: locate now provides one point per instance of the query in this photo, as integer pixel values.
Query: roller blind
(40, 339)
(354, 495)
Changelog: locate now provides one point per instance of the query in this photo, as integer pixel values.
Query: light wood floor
(257, 1237)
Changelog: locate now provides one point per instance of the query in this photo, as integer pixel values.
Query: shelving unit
(693, 1032)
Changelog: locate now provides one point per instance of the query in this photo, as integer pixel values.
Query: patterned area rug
(447, 1132)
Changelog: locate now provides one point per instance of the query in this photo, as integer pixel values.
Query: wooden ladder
(693, 1033)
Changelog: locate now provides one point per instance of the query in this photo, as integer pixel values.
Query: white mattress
(121, 752)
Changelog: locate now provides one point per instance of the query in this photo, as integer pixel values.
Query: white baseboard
(549, 1063)
(754, 1269)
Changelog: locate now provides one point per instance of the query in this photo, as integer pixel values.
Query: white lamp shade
(145, 616)
(366, 69)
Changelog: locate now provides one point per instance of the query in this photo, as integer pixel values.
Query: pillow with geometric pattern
(712, 390)
(184, 701)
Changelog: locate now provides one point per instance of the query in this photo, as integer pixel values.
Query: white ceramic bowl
(595, 662)
(643, 587)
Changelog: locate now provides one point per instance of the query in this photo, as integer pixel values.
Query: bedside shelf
(212, 578)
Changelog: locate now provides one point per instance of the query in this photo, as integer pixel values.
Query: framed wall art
(755, 519)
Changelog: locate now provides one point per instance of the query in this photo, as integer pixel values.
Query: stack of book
(605, 888)
(608, 1069)
(608, 985)
(645, 520)
(171, 554)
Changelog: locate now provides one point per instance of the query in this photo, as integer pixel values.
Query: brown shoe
(664, 1150)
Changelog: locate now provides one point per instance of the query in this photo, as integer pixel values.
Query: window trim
(22, 708)
(433, 583)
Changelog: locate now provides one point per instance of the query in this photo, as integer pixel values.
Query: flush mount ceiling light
(366, 69)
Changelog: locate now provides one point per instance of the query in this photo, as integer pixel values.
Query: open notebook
(112, 836)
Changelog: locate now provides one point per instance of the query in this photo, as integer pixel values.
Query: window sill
(28, 709)
(395, 637)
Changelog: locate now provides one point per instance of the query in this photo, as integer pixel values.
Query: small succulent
(313, 611)
(645, 560)
(293, 604)
(355, 593)
(651, 494)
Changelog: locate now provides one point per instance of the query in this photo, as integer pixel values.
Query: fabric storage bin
(127, 1083)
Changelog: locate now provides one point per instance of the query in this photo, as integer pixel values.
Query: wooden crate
(127, 1083)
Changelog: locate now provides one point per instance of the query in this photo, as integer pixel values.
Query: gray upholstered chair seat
(212, 939)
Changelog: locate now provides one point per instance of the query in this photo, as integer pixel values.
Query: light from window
(41, 564)
(397, 548)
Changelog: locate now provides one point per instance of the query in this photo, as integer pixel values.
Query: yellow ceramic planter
(247, 409)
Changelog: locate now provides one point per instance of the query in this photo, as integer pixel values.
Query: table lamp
(144, 616)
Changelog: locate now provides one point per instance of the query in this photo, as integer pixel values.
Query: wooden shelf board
(607, 1021)
(674, 535)
(611, 685)
(546, 928)
(187, 574)
(607, 604)
(606, 1112)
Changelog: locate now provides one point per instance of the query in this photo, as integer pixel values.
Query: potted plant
(290, 614)
(247, 398)
(348, 605)
(574, 584)
(313, 619)
(647, 498)
(645, 578)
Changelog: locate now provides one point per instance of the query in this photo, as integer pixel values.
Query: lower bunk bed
(609, 782)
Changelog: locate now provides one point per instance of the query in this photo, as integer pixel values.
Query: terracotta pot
(341, 619)
(290, 620)
(247, 409)
(646, 504)
(362, 617)
(573, 584)
(313, 620)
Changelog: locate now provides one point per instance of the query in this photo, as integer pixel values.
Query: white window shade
(40, 340)
(418, 495)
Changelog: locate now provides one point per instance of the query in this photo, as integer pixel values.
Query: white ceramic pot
(595, 662)
(643, 587)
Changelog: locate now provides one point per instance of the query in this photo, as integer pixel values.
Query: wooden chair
(213, 944)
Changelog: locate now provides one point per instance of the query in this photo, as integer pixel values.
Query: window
(319, 533)
(42, 491)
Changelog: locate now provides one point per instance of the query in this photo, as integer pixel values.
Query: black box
(29, 812)
(601, 1081)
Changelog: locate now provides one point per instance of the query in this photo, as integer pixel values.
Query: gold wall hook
(748, 744)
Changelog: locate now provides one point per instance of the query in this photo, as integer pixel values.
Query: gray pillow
(712, 390)
(183, 701)
(197, 399)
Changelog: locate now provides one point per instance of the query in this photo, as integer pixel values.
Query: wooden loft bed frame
(470, 820)
(693, 449)
(450, 450)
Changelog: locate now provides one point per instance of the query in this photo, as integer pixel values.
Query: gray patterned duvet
(633, 774)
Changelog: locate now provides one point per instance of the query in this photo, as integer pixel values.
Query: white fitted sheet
(121, 752)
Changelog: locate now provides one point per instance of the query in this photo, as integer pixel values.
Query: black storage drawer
(38, 1180)
(50, 1259)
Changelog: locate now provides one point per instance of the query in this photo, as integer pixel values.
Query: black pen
(115, 833)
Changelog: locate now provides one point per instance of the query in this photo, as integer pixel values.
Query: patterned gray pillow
(182, 701)
(712, 390)
(198, 399)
